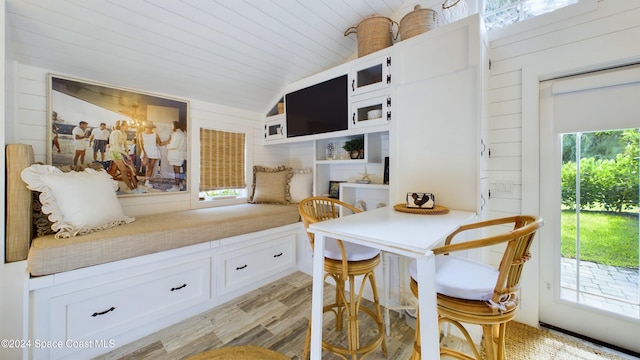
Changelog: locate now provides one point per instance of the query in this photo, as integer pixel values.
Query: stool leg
(416, 354)
(489, 344)
(501, 340)
(376, 301)
(352, 320)
(307, 343)
(349, 308)
(340, 305)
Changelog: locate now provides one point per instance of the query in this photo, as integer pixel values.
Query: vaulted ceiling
(239, 53)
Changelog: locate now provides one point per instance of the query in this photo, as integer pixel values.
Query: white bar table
(401, 233)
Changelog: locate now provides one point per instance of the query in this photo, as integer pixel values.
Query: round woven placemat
(437, 210)
(239, 353)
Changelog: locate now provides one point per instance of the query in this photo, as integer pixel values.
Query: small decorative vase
(354, 154)
(331, 151)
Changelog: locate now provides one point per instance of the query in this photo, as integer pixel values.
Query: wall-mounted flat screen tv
(318, 109)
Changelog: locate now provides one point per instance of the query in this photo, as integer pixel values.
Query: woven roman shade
(222, 160)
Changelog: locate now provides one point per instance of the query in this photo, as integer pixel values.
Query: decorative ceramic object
(374, 114)
(331, 148)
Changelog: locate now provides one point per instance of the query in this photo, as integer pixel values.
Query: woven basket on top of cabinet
(417, 22)
(374, 33)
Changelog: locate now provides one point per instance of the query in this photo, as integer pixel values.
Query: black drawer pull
(241, 267)
(277, 255)
(103, 312)
(179, 287)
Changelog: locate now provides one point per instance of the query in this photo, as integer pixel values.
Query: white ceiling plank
(239, 53)
(94, 53)
(315, 31)
(164, 80)
(178, 46)
(115, 47)
(273, 32)
(238, 28)
(132, 51)
(202, 31)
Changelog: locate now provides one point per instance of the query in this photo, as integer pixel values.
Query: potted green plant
(355, 147)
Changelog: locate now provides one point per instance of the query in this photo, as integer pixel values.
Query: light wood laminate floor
(275, 316)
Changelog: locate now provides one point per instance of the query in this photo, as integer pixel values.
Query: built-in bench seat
(146, 235)
(125, 282)
(154, 233)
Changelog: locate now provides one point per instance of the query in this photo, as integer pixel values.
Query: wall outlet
(504, 186)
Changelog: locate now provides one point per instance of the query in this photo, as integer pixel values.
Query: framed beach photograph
(139, 138)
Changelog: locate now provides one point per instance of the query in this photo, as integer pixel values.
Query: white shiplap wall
(604, 37)
(29, 125)
(505, 134)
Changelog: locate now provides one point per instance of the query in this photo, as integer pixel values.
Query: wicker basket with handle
(417, 22)
(374, 33)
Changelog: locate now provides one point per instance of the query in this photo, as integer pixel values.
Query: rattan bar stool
(343, 262)
(474, 293)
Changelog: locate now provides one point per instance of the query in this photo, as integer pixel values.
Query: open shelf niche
(343, 168)
(274, 110)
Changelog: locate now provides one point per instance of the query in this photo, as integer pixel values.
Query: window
(501, 13)
(222, 164)
(599, 220)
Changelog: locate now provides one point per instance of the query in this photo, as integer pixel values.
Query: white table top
(391, 230)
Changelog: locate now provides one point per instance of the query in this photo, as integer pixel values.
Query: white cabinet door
(370, 74)
(274, 128)
(434, 147)
(438, 108)
(442, 51)
(371, 110)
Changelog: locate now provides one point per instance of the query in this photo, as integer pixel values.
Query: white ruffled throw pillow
(77, 202)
